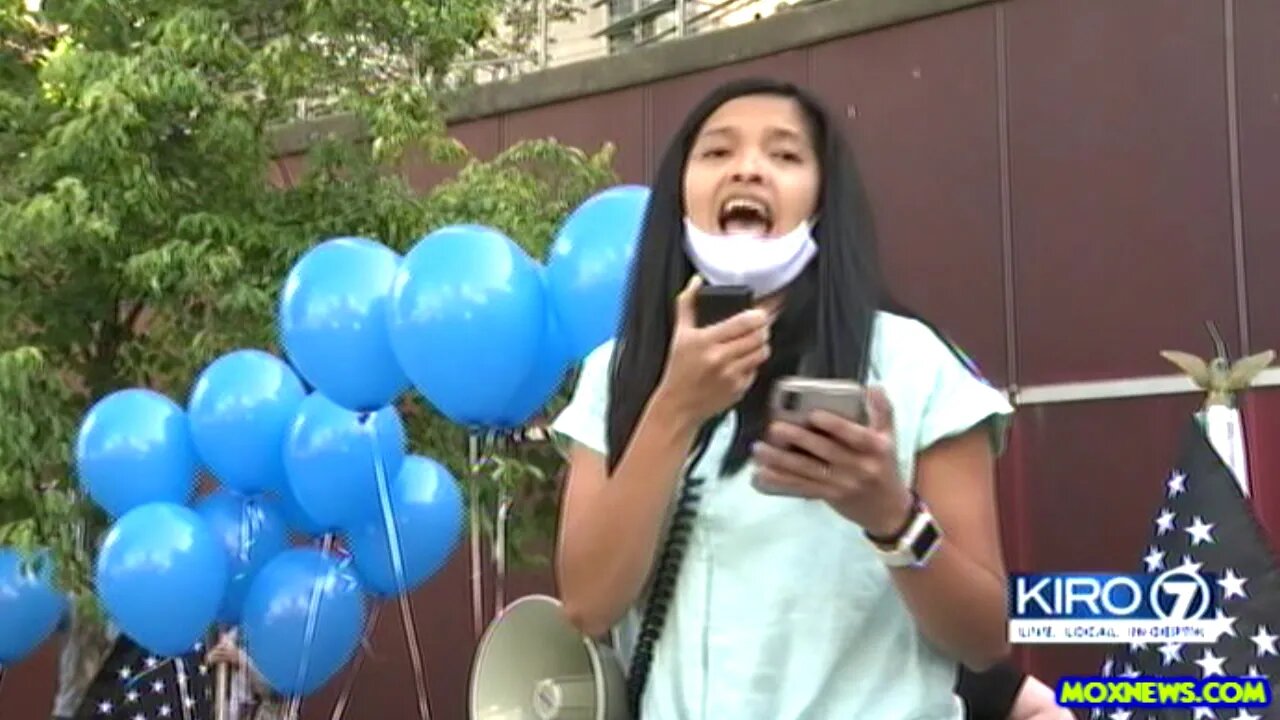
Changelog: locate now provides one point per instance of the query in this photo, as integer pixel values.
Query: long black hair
(828, 314)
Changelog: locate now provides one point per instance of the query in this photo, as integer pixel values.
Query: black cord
(664, 581)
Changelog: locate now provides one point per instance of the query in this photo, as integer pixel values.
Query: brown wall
(1067, 186)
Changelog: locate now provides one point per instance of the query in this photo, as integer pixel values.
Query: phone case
(794, 399)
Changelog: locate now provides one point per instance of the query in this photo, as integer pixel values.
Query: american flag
(1206, 524)
(134, 684)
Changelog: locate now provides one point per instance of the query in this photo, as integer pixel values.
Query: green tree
(141, 238)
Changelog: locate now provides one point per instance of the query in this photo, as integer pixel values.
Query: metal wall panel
(482, 138)
(920, 106)
(1257, 55)
(588, 123)
(1120, 188)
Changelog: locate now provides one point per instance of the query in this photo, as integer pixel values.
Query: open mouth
(742, 215)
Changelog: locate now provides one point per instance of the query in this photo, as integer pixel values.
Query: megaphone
(532, 664)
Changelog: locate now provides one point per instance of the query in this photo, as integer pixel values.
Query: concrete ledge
(795, 28)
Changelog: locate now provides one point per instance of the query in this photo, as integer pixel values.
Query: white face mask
(765, 265)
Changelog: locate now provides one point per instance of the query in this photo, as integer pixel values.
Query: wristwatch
(914, 543)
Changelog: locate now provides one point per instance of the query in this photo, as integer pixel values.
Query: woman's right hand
(709, 369)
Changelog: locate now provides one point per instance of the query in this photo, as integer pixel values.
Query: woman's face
(752, 168)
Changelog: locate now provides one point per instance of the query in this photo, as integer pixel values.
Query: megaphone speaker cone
(532, 664)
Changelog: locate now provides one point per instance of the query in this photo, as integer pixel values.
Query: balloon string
(309, 635)
(344, 698)
(477, 568)
(183, 690)
(397, 564)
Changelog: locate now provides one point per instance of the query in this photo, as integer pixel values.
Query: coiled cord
(667, 572)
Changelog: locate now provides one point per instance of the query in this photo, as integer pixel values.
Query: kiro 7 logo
(1175, 595)
(1180, 594)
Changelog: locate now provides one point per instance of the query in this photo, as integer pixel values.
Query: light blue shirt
(782, 610)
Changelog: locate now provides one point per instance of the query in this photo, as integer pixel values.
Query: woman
(789, 585)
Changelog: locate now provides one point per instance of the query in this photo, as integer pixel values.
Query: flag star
(157, 686)
(1164, 523)
(152, 662)
(1265, 641)
(165, 711)
(1232, 585)
(1246, 715)
(1129, 672)
(104, 708)
(1177, 484)
(126, 672)
(139, 716)
(1137, 646)
(204, 669)
(1171, 653)
(1199, 531)
(131, 696)
(1211, 664)
(188, 702)
(1120, 715)
(1204, 712)
(1154, 560)
(199, 646)
(1189, 565)
(1254, 673)
(1223, 625)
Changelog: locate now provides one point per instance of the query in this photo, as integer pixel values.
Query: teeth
(746, 204)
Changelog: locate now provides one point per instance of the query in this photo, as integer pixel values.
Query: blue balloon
(252, 531)
(333, 322)
(161, 575)
(30, 606)
(328, 458)
(295, 517)
(276, 614)
(134, 447)
(426, 504)
(466, 320)
(589, 264)
(240, 411)
(540, 385)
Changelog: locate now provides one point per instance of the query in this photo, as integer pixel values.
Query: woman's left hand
(852, 467)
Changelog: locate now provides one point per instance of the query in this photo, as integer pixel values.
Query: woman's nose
(748, 169)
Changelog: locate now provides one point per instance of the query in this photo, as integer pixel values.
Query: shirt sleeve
(959, 400)
(584, 418)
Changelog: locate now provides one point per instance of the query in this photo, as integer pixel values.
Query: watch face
(925, 540)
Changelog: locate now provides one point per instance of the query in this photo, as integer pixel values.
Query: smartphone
(793, 399)
(716, 303)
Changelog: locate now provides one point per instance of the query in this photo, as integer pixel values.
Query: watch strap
(892, 539)
(915, 546)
